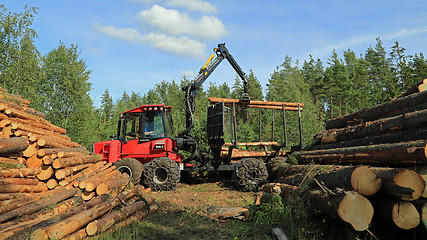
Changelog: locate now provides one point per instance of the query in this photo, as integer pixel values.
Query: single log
(402, 178)
(348, 206)
(31, 150)
(138, 216)
(107, 221)
(46, 172)
(79, 235)
(421, 206)
(423, 173)
(379, 111)
(253, 144)
(393, 154)
(53, 141)
(30, 128)
(88, 195)
(395, 137)
(57, 150)
(65, 172)
(59, 196)
(51, 183)
(71, 154)
(9, 196)
(41, 152)
(237, 153)
(47, 160)
(403, 214)
(18, 181)
(361, 179)
(228, 101)
(13, 145)
(34, 161)
(72, 161)
(70, 225)
(19, 172)
(8, 188)
(393, 124)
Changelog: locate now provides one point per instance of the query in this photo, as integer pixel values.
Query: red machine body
(144, 133)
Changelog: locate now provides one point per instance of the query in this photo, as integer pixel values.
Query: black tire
(132, 167)
(249, 174)
(162, 174)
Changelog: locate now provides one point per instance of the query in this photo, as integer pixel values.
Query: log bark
(107, 221)
(348, 206)
(18, 181)
(134, 218)
(393, 154)
(247, 154)
(361, 179)
(228, 101)
(13, 145)
(73, 161)
(15, 188)
(19, 172)
(57, 150)
(70, 225)
(403, 178)
(60, 195)
(395, 137)
(379, 111)
(394, 124)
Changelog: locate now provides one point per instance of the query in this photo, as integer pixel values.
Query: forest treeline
(58, 84)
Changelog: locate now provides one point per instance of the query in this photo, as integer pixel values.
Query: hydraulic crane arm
(193, 87)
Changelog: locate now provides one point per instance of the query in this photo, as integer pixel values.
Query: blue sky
(130, 45)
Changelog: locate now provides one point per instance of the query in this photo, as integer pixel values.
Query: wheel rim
(127, 170)
(160, 176)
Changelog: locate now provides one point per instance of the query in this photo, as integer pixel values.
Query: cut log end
(410, 179)
(405, 215)
(356, 210)
(92, 228)
(39, 234)
(365, 181)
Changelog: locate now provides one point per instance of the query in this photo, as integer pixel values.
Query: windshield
(154, 125)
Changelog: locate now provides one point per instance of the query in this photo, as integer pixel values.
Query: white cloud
(174, 22)
(365, 39)
(193, 5)
(180, 46)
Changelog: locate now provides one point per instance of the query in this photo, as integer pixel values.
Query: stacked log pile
(365, 167)
(52, 187)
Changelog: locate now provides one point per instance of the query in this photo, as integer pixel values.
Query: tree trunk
(34, 161)
(100, 178)
(65, 172)
(394, 124)
(13, 145)
(18, 181)
(46, 172)
(228, 101)
(379, 111)
(8, 188)
(57, 150)
(118, 182)
(90, 177)
(86, 172)
(393, 154)
(106, 221)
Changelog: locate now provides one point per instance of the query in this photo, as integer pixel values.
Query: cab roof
(145, 108)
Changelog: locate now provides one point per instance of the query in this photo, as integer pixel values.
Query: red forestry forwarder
(145, 149)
